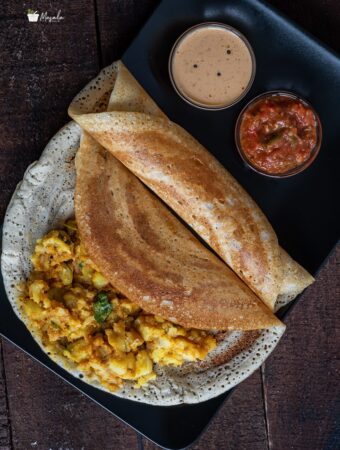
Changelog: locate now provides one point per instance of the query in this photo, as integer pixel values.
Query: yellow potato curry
(77, 314)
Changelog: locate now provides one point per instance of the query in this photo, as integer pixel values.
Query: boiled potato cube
(99, 280)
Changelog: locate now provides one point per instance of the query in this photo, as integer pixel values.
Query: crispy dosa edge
(295, 280)
(128, 95)
(149, 256)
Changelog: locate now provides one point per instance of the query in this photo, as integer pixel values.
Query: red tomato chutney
(278, 133)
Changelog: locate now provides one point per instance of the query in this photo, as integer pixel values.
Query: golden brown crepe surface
(150, 256)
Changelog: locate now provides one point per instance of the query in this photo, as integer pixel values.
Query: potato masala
(75, 312)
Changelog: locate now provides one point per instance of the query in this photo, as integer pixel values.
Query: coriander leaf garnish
(102, 307)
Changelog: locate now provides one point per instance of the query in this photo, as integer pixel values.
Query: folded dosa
(43, 200)
(150, 256)
(193, 183)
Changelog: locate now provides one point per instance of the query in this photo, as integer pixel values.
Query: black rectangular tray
(303, 209)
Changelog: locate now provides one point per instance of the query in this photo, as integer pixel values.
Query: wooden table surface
(292, 402)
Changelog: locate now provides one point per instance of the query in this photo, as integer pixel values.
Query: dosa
(192, 182)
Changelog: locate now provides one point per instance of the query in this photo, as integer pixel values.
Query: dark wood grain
(240, 424)
(47, 413)
(301, 379)
(45, 66)
(118, 23)
(5, 432)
